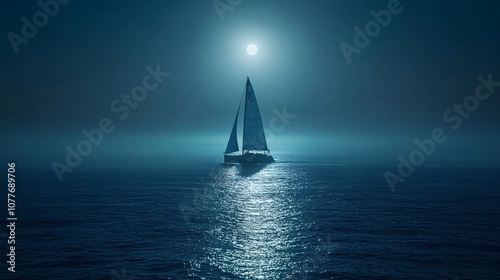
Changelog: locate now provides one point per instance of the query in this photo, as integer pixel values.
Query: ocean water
(288, 220)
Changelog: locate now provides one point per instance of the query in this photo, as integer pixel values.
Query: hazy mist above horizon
(395, 90)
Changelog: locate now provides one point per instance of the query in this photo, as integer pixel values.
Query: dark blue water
(289, 220)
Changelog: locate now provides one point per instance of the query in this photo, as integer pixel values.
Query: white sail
(253, 130)
(232, 144)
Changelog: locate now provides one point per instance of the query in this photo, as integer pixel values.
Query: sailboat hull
(248, 158)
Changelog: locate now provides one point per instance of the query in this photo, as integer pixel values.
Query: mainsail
(253, 131)
(232, 144)
(254, 141)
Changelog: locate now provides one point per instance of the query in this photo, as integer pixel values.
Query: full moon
(252, 49)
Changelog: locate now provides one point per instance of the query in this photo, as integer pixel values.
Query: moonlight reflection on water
(255, 221)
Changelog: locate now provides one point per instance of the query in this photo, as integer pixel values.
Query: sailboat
(254, 148)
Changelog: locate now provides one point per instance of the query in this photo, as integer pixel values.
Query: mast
(244, 117)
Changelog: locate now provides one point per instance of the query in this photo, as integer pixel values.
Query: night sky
(393, 91)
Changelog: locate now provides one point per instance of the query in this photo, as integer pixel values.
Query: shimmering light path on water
(288, 220)
(256, 230)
